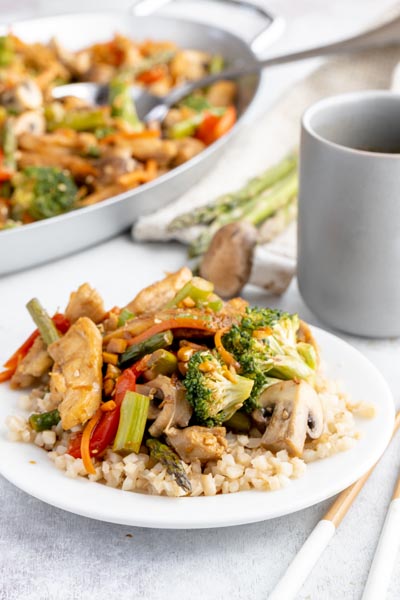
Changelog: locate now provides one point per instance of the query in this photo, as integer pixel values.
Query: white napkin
(266, 141)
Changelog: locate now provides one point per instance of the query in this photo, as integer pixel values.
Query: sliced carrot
(85, 442)
(226, 122)
(178, 323)
(22, 351)
(6, 375)
(226, 356)
(151, 167)
(140, 176)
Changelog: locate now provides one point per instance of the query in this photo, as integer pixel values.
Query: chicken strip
(155, 296)
(76, 378)
(199, 443)
(85, 302)
(33, 366)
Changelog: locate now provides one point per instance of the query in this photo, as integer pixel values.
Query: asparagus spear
(266, 204)
(278, 222)
(137, 351)
(45, 325)
(167, 457)
(227, 202)
(44, 421)
(260, 208)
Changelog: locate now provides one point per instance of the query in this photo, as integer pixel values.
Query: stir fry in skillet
(57, 156)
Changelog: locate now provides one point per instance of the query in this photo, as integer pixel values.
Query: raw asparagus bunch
(272, 195)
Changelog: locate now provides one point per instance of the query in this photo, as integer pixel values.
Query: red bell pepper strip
(213, 127)
(205, 131)
(105, 431)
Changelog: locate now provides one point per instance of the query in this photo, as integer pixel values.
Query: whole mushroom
(228, 260)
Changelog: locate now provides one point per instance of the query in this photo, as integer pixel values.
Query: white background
(46, 553)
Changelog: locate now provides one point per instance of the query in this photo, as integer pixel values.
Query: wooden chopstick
(313, 547)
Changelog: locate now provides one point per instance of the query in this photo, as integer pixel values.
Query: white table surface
(46, 553)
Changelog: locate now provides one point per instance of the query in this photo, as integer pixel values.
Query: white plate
(322, 479)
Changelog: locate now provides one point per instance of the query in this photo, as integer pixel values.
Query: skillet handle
(271, 31)
(269, 34)
(142, 8)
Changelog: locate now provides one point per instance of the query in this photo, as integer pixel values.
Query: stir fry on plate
(178, 392)
(57, 156)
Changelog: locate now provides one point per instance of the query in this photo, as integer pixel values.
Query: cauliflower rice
(245, 465)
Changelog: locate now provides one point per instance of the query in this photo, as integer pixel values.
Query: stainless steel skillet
(52, 238)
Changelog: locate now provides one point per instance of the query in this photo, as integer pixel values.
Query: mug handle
(271, 31)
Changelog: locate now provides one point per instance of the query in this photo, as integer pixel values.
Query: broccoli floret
(265, 345)
(42, 192)
(212, 390)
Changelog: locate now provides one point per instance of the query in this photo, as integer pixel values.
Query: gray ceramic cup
(349, 212)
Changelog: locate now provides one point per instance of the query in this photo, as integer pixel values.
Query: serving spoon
(154, 108)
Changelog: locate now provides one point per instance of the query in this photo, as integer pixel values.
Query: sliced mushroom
(26, 95)
(155, 396)
(296, 413)
(31, 121)
(228, 260)
(111, 167)
(176, 410)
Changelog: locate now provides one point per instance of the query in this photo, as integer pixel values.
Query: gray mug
(349, 212)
